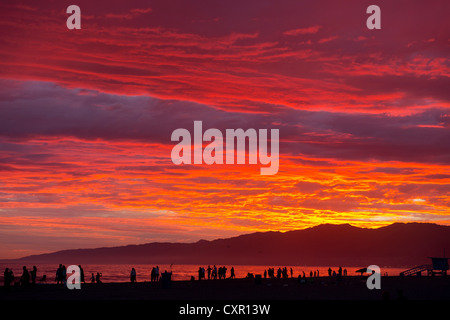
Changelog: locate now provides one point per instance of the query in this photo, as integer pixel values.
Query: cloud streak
(86, 118)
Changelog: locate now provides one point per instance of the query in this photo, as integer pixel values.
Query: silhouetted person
(345, 272)
(152, 276)
(33, 273)
(64, 274)
(292, 273)
(11, 276)
(59, 274)
(81, 275)
(133, 275)
(157, 273)
(209, 272)
(265, 274)
(214, 272)
(340, 271)
(317, 272)
(199, 273)
(8, 278)
(97, 277)
(329, 272)
(232, 275)
(25, 278)
(166, 279)
(92, 278)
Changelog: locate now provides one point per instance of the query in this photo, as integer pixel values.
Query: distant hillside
(395, 245)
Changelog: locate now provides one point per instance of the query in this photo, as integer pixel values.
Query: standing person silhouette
(152, 275)
(133, 275)
(215, 272)
(25, 279)
(58, 274)
(8, 278)
(209, 272)
(33, 275)
(97, 277)
(64, 275)
(157, 273)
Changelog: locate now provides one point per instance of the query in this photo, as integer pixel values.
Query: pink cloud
(300, 31)
(131, 14)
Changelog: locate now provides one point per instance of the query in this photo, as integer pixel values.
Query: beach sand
(323, 288)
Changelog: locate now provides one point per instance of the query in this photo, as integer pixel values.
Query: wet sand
(323, 288)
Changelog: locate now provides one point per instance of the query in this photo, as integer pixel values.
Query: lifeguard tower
(438, 266)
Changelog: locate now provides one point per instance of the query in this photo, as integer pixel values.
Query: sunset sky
(86, 118)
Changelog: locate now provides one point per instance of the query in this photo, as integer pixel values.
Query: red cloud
(85, 133)
(307, 30)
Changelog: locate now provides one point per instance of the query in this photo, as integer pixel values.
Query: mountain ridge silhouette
(395, 245)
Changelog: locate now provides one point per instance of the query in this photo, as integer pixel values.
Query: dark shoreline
(321, 288)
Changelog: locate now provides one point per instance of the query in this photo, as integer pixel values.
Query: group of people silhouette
(154, 276)
(214, 272)
(339, 273)
(281, 273)
(96, 278)
(27, 277)
(61, 275)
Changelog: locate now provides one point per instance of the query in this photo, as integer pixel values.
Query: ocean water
(121, 272)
